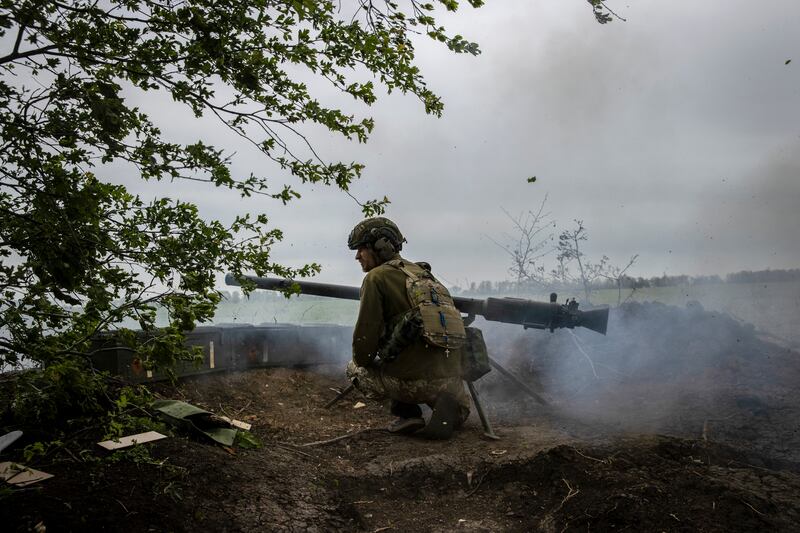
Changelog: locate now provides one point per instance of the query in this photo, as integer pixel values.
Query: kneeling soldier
(408, 334)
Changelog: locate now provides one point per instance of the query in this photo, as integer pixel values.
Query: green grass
(278, 309)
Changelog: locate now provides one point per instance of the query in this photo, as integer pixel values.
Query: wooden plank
(131, 440)
(237, 423)
(20, 475)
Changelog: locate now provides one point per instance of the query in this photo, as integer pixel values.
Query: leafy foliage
(247, 440)
(602, 12)
(128, 414)
(80, 253)
(62, 390)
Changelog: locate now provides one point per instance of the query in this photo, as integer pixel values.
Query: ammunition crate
(234, 347)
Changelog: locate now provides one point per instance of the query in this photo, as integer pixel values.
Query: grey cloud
(673, 135)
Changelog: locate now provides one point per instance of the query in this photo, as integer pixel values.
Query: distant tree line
(631, 282)
(762, 276)
(236, 296)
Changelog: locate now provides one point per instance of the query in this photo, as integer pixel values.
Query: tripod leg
(347, 390)
(530, 392)
(487, 426)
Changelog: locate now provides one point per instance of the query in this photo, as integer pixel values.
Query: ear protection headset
(386, 243)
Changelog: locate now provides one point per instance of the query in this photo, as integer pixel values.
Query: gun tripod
(487, 426)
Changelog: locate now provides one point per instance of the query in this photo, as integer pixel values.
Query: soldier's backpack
(441, 323)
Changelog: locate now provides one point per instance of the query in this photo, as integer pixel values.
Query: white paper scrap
(130, 440)
(237, 423)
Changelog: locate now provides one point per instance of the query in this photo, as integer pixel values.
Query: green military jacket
(383, 302)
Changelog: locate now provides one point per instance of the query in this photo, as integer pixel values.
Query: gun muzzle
(594, 319)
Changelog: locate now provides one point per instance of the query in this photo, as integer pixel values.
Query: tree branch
(612, 12)
(14, 56)
(20, 33)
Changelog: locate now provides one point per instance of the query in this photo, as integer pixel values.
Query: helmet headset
(380, 235)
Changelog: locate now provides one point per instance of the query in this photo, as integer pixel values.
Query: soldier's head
(376, 241)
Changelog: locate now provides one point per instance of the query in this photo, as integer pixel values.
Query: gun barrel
(528, 313)
(343, 292)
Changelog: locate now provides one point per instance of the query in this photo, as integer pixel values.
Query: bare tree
(569, 252)
(530, 243)
(616, 275)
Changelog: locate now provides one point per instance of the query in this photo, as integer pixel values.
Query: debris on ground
(131, 440)
(679, 420)
(20, 475)
(188, 416)
(8, 439)
(237, 423)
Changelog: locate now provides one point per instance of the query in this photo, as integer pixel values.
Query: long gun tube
(528, 313)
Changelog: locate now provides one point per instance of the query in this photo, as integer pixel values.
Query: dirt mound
(550, 473)
(664, 369)
(643, 483)
(678, 420)
(659, 343)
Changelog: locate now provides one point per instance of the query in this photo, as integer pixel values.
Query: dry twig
(753, 508)
(69, 452)
(478, 485)
(571, 494)
(339, 438)
(604, 461)
(243, 408)
(123, 506)
(292, 448)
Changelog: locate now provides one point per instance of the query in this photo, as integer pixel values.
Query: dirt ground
(693, 428)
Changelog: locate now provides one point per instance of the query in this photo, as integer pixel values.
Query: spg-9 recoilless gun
(527, 313)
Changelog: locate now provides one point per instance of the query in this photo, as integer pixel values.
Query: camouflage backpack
(441, 321)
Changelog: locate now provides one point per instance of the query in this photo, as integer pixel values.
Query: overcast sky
(674, 135)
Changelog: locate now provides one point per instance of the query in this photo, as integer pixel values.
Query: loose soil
(679, 420)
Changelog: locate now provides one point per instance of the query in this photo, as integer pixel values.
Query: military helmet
(370, 230)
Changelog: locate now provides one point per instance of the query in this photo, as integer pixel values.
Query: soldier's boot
(406, 426)
(444, 419)
(409, 418)
(405, 410)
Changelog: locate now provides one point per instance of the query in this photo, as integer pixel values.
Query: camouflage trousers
(378, 386)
